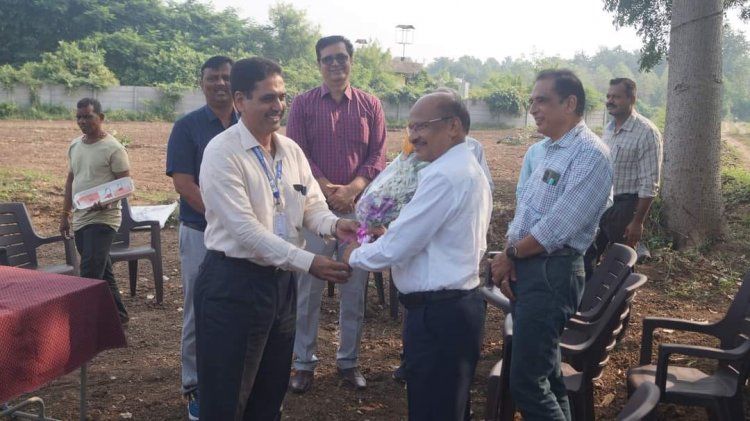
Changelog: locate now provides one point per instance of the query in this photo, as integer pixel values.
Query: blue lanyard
(274, 182)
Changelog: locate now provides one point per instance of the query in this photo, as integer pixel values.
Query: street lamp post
(404, 36)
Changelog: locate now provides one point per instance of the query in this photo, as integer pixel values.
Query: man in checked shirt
(342, 131)
(636, 149)
(541, 270)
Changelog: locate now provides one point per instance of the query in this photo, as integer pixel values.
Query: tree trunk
(693, 206)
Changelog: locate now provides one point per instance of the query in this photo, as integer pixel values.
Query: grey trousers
(351, 310)
(192, 252)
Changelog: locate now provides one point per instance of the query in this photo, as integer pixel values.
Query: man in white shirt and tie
(434, 248)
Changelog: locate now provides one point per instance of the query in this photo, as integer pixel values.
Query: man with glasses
(434, 248)
(556, 216)
(342, 131)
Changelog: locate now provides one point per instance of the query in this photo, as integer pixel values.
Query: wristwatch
(511, 252)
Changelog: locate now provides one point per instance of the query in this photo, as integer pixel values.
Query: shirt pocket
(625, 153)
(294, 205)
(362, 135)
(543, 194)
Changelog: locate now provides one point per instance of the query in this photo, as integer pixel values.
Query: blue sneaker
(193, 406)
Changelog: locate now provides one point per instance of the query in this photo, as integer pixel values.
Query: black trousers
(442, 342)
(611, 229)
(245, 317)
(93, 243)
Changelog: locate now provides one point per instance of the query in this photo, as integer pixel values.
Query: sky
(479, 28)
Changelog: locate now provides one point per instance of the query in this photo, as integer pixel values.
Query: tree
(651, 19)
(74, 67)
(735, 51)
(289, 35)
(693, 205)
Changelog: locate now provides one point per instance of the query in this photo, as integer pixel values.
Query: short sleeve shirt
(92, 165)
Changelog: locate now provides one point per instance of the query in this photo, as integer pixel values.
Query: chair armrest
(496, 298)
(666, 350)
(71, 256)
(652, 323)
(47, 240)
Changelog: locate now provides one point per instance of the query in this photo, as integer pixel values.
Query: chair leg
(133, 272)
(379, 286)
(393, 297)
(158, 279)
(736, 408)
(494, 391)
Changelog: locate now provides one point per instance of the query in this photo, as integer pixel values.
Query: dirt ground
(142, 381)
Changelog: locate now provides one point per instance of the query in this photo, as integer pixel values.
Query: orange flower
(406, 147)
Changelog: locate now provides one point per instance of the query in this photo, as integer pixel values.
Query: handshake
(327, 269)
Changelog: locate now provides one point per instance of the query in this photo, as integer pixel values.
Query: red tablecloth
(50, 325)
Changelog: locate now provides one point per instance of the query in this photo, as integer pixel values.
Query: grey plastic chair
(720, 392)
(641, 404)
(122, 251)
(593, 350)
(19, 242)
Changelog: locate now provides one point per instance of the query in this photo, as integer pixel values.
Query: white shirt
(439, 237)
(476, 149)
(239, 201)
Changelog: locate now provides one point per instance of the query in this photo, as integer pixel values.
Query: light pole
(404, 35)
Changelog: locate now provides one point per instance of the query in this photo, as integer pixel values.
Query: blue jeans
(548, 291)
(93, 243)
(244, 325)
(442, 342)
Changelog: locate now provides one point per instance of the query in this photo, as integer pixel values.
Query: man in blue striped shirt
(556, 217)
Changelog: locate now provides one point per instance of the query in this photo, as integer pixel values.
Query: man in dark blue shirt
(188, 139)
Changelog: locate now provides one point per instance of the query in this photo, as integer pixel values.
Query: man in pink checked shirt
(342, 131)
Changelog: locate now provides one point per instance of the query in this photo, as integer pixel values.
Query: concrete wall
(137, 98)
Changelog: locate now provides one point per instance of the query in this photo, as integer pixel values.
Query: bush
(46, 112)
(8, 109)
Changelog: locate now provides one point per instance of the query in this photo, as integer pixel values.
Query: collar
(327, 92)
(568, 138)
(627, 125)
(211, 116)
(248, 141)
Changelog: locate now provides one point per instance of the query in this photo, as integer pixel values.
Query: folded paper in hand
(104, 193)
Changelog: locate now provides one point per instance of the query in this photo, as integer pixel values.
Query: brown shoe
(354, 377)
(301, 381)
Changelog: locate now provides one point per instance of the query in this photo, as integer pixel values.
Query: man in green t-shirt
(95, 158)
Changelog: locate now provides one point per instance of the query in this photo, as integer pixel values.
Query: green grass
(22, 185)
(142, 197)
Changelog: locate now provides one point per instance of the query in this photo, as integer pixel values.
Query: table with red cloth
(50, 325)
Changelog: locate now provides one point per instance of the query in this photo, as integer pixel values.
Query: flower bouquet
(383, 199)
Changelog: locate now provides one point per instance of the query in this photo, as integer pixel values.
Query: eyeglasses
(340, 58)
(420, 127)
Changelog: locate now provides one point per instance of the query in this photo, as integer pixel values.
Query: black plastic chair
(719, 392)
(597, 342)
(500, 404)
(608, 276)
(641, 404)
(19, 242)
(122, 251)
